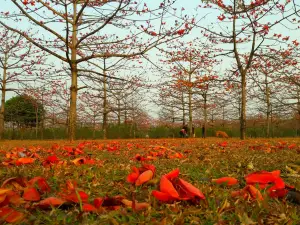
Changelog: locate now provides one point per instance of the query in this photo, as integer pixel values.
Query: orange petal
(167, 187)
(144, 177)
(131, 178)
(31, 194)
(23, 161)
(79, 161)
(254, 192)
(164, 197)
(137, 206)
(191, 189)
(88, 208)
(71, 184)
(3, 191)
(229, 181)
(51, 201)
(172, 174)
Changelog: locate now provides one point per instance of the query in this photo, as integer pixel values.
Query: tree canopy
(24, 110)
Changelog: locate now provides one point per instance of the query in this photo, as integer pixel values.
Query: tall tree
(74, 32)
(250, 26)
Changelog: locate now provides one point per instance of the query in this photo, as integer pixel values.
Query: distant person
(193, 131)
(185, 127)
(182, 133)
(203, 131)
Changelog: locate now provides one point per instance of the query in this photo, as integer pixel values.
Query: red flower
(264, 178)
(229, 181)
(221, 18)
(173, 188)
(181, 32)
(141, 175)
(248, 192)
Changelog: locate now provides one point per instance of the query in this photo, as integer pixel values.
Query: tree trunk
(183, 109)
(94, 126)
(36, 121)
(119, 113)
(223, 116)
(205, 114)
(3, 92)
(243, 108)
(104, 127)
(190, 107)
(73, 89)
(268, 109)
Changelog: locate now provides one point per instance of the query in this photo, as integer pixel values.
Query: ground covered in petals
(145, 181)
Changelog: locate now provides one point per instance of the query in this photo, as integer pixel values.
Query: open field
(80, 172)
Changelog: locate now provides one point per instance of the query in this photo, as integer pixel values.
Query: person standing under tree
(203, 131)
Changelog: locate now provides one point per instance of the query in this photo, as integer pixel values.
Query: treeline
(125, 131)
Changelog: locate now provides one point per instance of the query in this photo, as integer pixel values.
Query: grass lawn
(99, 169)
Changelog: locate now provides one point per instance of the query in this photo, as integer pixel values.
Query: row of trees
(86, 60)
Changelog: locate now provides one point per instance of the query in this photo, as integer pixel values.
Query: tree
(19, 61)
(188, 63)
(24, 111)
(74, 32)
(249, 30)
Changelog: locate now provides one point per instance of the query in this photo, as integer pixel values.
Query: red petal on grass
(278, 193)
(164, 197)
(31, 194)
(15, 217)
(10, 215)
(191, 189)
(52, 159)
(88, 208)
(149, 167)
(144, 177)
(23, 161)
(276, 173)
(74, 198)
(262, 177)
(5, 211)
(4, 201)
(131, 178)
(14, 198)
(41, 183)
(51, 202)
(229, 181)
(167, 187)
(98, 202)
(172, 174)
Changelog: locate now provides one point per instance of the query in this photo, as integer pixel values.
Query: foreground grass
(202, 161)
